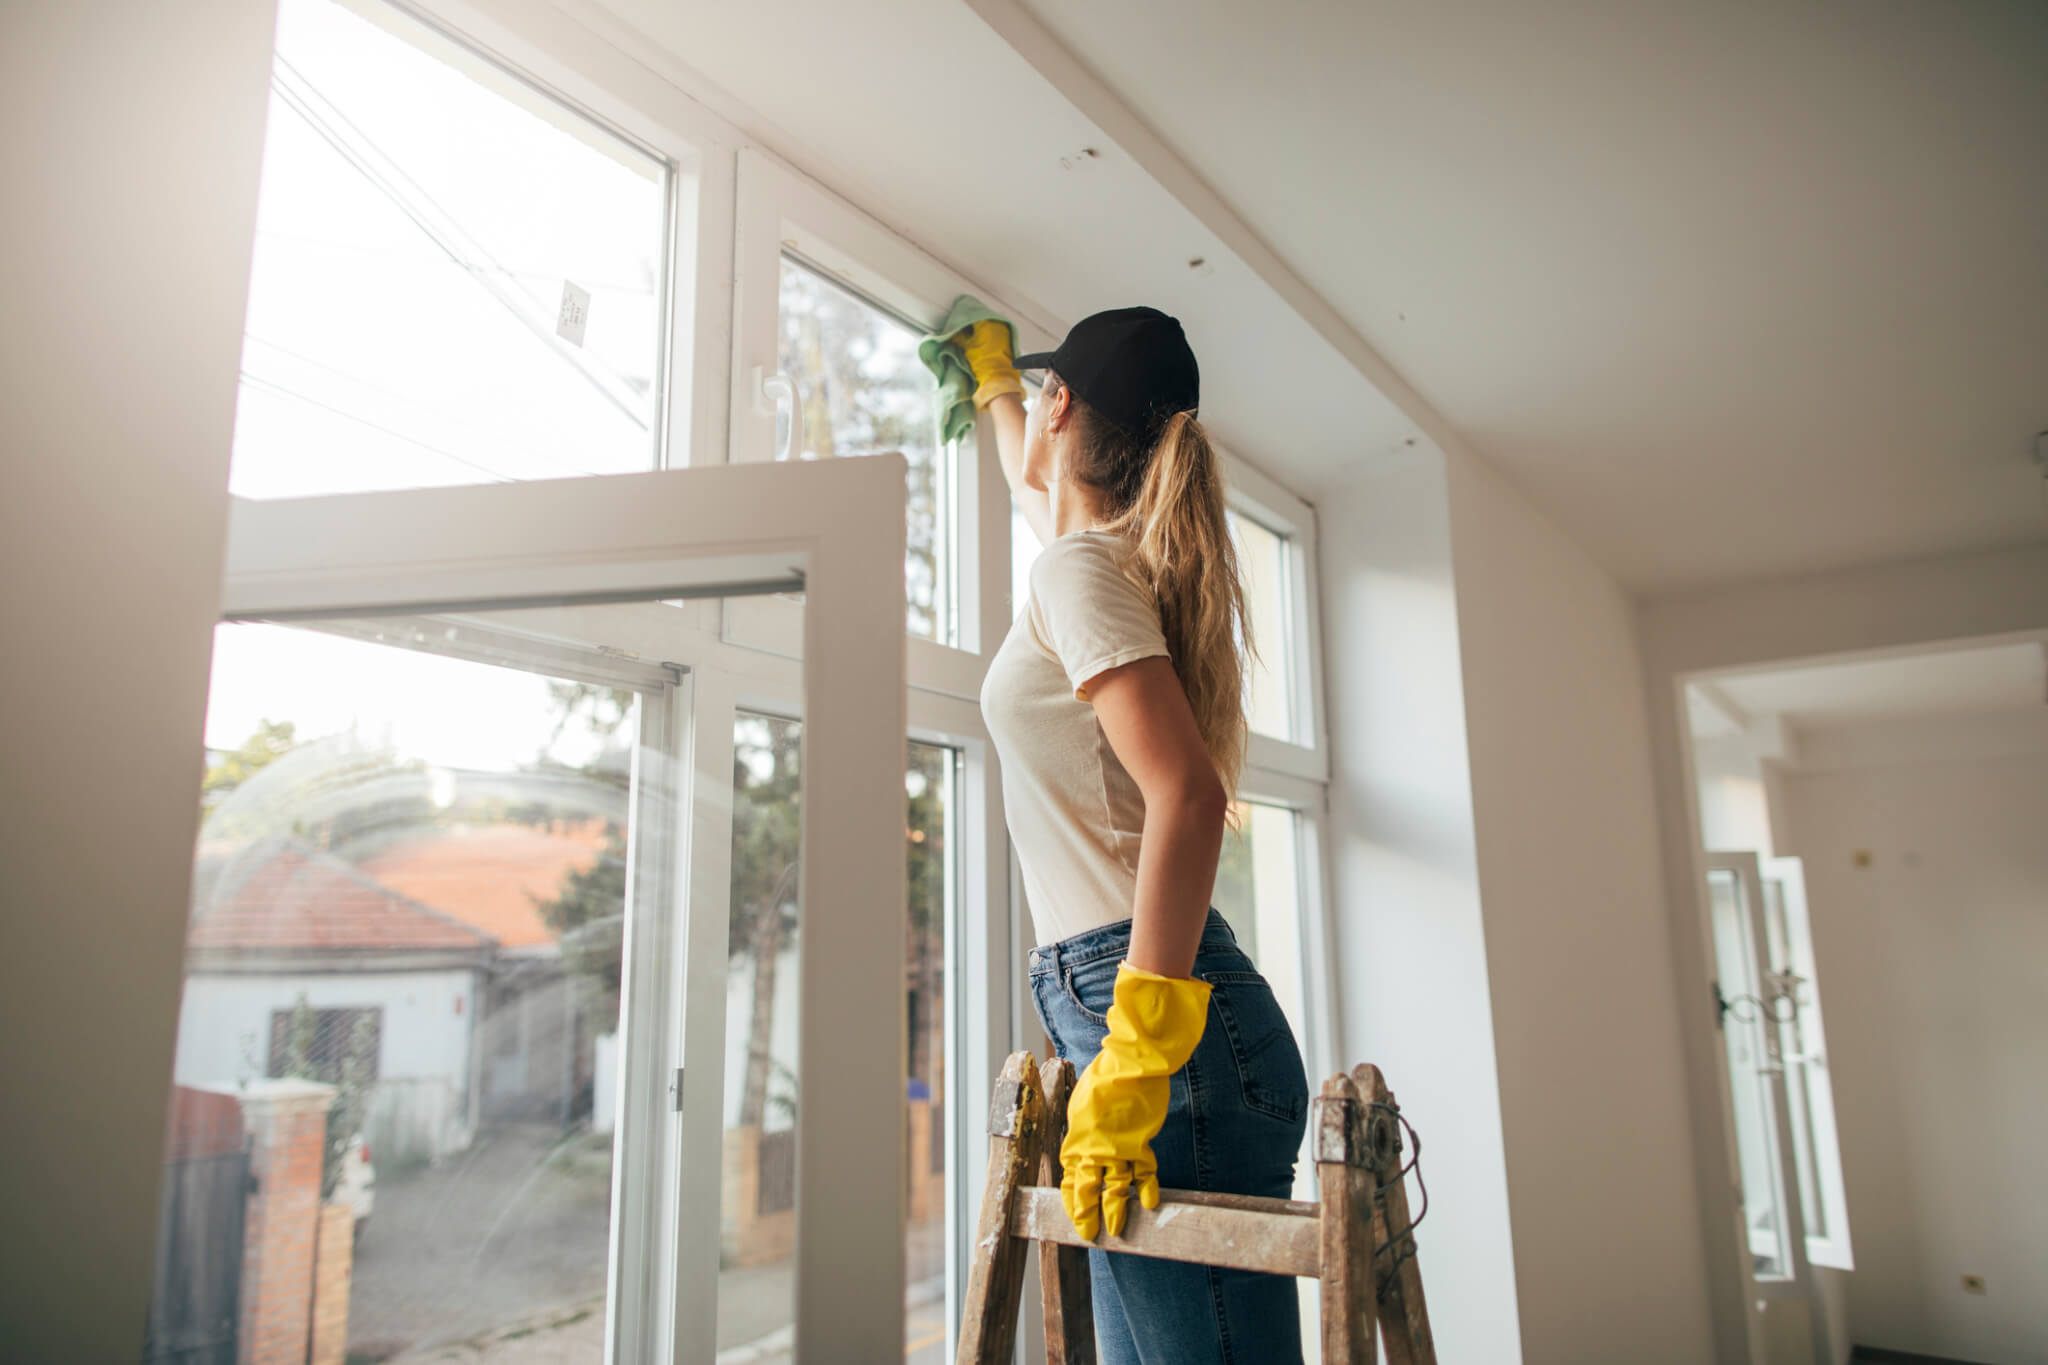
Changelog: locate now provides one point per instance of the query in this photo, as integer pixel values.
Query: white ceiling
(1731, 290)
(2012, 677)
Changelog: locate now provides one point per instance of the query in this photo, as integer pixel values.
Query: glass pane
(402, 998)
(929, 784)
(756, 1286)
(1749, 1077)
(1798, 1058)
(1262, 557)
(865, 392)
(757, 1224)
(1024, 549)
(1258, 890)
(456, 279)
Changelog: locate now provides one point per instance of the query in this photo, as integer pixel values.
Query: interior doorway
(1864, 829)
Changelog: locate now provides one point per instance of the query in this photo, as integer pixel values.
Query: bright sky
(374, 357)
(375, 360)
(448, 712)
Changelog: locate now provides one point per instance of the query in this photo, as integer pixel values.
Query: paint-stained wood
(1068, 1300)
(995, 1281)
(1404, 1316)
(1278, 1241)
(1345, 1228)
(1354, 1239)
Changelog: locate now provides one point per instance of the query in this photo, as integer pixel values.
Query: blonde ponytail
(1183, 553)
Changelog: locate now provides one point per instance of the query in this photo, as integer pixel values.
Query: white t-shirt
(1075, 813)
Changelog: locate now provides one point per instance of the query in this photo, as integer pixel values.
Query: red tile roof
(301, 898)
(489, 875)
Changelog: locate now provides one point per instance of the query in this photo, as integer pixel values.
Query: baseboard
(1877, 1355)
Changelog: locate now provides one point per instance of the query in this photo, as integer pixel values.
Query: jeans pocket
(1269, 1066)
(1085, 984)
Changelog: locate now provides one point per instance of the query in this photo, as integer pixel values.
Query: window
(1263, 559)
(457, 279)
(861, 389)
(1024, 548)
(931, 786)
(1753, 1095)
(762, 1081)
(1258, 889)
(434, 231)
(1802, 1042)
(406, 948)
(324, 1045)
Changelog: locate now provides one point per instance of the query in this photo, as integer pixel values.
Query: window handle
(771, 391)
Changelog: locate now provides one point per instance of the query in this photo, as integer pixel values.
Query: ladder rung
(1275, 1236)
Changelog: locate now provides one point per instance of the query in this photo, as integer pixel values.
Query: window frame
(779, 211)
(593, 540)
(1257, 497)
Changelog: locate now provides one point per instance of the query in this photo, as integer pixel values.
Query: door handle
(771, 391)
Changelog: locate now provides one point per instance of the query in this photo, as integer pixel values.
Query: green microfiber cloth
(949, 367)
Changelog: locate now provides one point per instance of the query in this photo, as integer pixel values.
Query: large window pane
(456, 278)
(757, 1222)
(1258, 890)
(402, 1000)
(758, 1200)
(930, 785)
(1750, 1067)
(1269, 682)
(864, 392)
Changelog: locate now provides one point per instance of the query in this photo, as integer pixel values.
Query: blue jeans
(1234, 1124)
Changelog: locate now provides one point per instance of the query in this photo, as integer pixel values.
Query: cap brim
(1037, 360)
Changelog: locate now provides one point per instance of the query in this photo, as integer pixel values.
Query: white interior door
(1756, 1001)
(606, 592)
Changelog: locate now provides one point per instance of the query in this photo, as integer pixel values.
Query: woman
(1116, 704)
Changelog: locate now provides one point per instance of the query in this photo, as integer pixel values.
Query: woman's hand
(987, 348)
(1120, 1101)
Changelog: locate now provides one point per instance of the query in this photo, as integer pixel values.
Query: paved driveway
(497, 1257)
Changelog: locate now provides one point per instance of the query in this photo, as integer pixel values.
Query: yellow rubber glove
(987, 348)
(1120, 1100)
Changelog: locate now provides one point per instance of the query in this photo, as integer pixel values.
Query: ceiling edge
(1102, 105)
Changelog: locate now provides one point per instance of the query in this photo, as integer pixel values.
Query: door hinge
(675, 1091)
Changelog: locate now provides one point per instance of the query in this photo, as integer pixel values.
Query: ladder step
(1274, 1236)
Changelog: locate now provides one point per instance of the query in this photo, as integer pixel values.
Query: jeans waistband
(1114, 940)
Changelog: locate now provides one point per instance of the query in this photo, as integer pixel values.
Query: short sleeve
(1087, 613)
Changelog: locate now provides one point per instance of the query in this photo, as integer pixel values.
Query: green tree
(588, 915)
(927, 782)
(766, 825)
(270, 741)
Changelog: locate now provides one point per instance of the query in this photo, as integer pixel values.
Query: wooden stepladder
(1356, 1240)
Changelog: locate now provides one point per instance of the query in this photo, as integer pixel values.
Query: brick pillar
(288, 1122)
(333, 1268)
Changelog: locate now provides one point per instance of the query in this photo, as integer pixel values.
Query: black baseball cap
(1132, 365)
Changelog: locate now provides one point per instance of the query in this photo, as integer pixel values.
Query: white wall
(424, 1032)
(1406, 931)
(130, 137)
(1888, 607)
(1608, 1257)
(1935, 967)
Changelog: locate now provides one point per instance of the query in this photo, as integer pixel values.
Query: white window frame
(1257, 497)
(678, 534)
